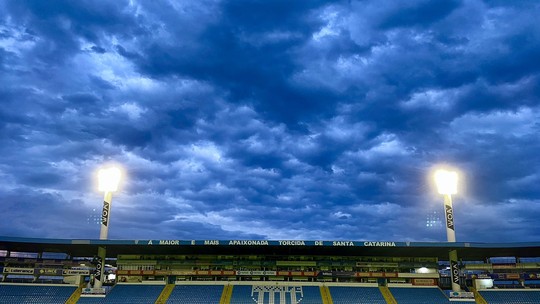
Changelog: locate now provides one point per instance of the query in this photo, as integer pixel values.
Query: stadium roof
(81, 247)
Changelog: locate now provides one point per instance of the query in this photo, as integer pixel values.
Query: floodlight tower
(108, 180)
(447, 185)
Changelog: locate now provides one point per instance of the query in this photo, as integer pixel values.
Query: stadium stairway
(226, 295)
(478, 298)
(387, 294)
(75, 296)
(165, 294)
(325, 295)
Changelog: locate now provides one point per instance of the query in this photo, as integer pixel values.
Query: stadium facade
(272, 268)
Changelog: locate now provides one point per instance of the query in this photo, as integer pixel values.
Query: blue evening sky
(270, 119)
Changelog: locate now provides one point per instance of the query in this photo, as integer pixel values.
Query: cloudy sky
(311, 120)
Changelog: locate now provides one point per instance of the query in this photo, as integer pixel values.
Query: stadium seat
(511, 296)
(19, 294)
(354, 295)
(196, 294)
(419, 295)
(128, 293)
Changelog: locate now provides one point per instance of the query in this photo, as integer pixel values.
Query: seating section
(417, 295)
(19, 294)
(263, 294)
(196, 294)
(354, 295)
(532, 283)
(511, 297)
(123, 293)
(507, 284)
(311, 295)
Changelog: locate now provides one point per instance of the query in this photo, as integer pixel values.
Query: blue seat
(353, 295)
(18, 294)
(128, 293)
(196, 294)
(419, 295)
(511, 296)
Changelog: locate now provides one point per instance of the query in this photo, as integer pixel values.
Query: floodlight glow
(446, 181)
(108, 179)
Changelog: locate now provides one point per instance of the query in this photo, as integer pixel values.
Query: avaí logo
(105, 213)
(449, 217)
(98, 269)
(277, 294)
(455, 271)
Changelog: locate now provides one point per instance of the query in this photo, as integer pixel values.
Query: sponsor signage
(48, 271)
(182, 272)
(376, 265)
(504, 276)
(162, 272)
(532, 276)
(479, 276)
(504, 266)
(93, 291)
(424, 282)
(344, 274)
(16, 270)
(297, 273)
(130, 279)
(75, 272)
(356, 274)
(256, 273)
(462, 294)
(135, 272)
(512, 276)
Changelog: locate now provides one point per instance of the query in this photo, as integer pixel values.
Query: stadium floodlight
(446, 182)
(108, 181)
(447, 185)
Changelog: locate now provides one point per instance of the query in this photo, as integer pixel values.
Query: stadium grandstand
(262, 271)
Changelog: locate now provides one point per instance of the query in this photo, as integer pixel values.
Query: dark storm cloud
(245, 51)
(60, 25)
(270, 119)
(418, 13)
(36, 213)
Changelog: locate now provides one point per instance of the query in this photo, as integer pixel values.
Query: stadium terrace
(266, 271)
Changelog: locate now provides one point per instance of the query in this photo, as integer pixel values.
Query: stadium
(273, 151)
(38, 270)
(259, 271)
